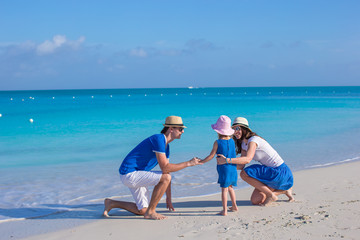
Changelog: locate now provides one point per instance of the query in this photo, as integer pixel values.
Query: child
(227, 173)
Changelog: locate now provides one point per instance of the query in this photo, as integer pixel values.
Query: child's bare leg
(233, 207)
(224, 192)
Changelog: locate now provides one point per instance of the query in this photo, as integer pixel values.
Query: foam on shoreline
(324, 208)
(38, 213)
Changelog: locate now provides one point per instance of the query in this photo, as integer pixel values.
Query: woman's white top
(264, 153)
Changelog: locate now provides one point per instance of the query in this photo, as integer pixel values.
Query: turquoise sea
(69, 155)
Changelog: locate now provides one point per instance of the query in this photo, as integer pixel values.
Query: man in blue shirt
(135, 172)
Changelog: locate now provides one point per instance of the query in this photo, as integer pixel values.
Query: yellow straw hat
(174, 121)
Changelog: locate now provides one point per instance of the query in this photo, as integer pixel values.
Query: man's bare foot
(223, 213)
(154, 216)
(288, 193)
(233, 209)
(107, 203)
(269, 200)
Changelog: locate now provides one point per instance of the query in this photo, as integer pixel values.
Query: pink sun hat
(223, 126)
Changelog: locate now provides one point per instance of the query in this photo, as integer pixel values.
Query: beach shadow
(93, 212)
(203, 204)
(201, 209)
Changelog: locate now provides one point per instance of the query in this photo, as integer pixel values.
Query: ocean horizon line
(189, 87)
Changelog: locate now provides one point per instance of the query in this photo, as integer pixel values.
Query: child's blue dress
(227, 172)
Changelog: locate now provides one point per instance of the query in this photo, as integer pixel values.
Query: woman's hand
(221, 159)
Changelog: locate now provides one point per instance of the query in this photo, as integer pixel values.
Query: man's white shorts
(138, 183)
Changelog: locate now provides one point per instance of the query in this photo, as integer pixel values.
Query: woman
(270, 178)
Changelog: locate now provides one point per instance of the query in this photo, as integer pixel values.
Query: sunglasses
(181, 129)
(237, 128)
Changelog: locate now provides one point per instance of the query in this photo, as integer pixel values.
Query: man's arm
(169, 204)
(167, 167)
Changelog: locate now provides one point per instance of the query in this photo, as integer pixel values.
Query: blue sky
(143, 44)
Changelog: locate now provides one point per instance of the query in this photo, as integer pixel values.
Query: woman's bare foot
(269, 200)
(223, 213)
(233, 209)
(154, 216)
(107, 203)
(288, 193)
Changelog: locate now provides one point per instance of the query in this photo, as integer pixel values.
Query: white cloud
(116, 67)
(191, 47)
(139, 52)
(77, 43)
(50, 46)
(58, 41)
(161, 43)
(195, 45)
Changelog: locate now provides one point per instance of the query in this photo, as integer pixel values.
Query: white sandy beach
(327, 206)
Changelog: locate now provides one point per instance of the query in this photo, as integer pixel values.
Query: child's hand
(195, 161)
(201, 161)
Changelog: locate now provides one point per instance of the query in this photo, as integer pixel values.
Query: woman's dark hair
(246, 134)
(163, 131)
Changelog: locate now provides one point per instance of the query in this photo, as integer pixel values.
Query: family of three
(270, 178)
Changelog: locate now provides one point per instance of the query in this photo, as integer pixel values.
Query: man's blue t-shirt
(143, 157)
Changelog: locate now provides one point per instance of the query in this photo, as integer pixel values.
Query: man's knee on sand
(142, 211)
